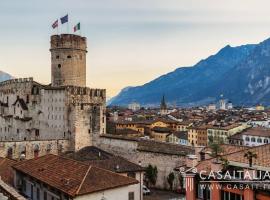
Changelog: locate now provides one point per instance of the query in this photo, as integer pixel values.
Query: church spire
(163, 105)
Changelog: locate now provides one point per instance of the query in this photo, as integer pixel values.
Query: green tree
(170, 180)
(225, 163)
(250, 155)
(216, 149)
(151, 175)
(181, 181)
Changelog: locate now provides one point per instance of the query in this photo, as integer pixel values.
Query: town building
(132, 125)
(263, 122)
(197, 135)
(245, 178)
(134, 106)
(160, 134)
(178, 137)
(55, 177)
(220, 133)
(229, 105)
(96, 157)
(251, 137)
(212, 107)
(260, 107)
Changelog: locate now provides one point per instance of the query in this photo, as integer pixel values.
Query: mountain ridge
(203, 82)
(5, 76)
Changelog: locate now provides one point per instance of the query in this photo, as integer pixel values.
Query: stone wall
(31, 112)
(15, 149)
(131, 150)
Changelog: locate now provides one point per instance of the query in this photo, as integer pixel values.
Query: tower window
(57, 57)
(59, 66)
(69, 56)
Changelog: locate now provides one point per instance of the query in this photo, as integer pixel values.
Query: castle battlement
(17, 80)
(92, 92)
(68, 41)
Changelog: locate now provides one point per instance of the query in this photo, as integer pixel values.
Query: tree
(250, 155)
(216, 150)
(225, 163)
(181, 181)
(170, 180)
(151, 175)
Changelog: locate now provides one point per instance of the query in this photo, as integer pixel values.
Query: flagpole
(68, 25)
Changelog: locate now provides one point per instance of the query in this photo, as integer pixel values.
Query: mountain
(222, 73)
(249, 80)
(5, 76)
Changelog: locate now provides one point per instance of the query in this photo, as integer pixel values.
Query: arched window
(59, 66)
(265, 141)
(253, 139)
(247, 139)
(259, 140)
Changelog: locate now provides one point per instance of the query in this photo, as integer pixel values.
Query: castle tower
(68, 60)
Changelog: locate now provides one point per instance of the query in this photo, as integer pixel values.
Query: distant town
(196, 127)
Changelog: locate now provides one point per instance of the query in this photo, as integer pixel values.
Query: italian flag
(77, 27)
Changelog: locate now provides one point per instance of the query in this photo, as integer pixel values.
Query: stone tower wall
(68, 60)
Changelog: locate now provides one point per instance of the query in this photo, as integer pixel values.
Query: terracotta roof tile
(96, 157)
(262, 159)
(6, 172)
(70, 176)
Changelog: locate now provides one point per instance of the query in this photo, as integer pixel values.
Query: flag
(77, 27)
(64, 19)
(55, 24)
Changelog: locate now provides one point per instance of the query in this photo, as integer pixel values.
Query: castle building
(37, 119)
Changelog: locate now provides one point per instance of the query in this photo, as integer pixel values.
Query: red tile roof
(72, 177)
(227, 148)
(6, 172)
(262, 159)
(258, 131)
(96, 157)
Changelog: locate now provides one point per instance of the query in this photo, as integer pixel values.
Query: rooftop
(96, 157)
(70, 176)
(6, 172)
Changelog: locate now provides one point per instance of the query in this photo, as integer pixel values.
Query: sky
(129, 42)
